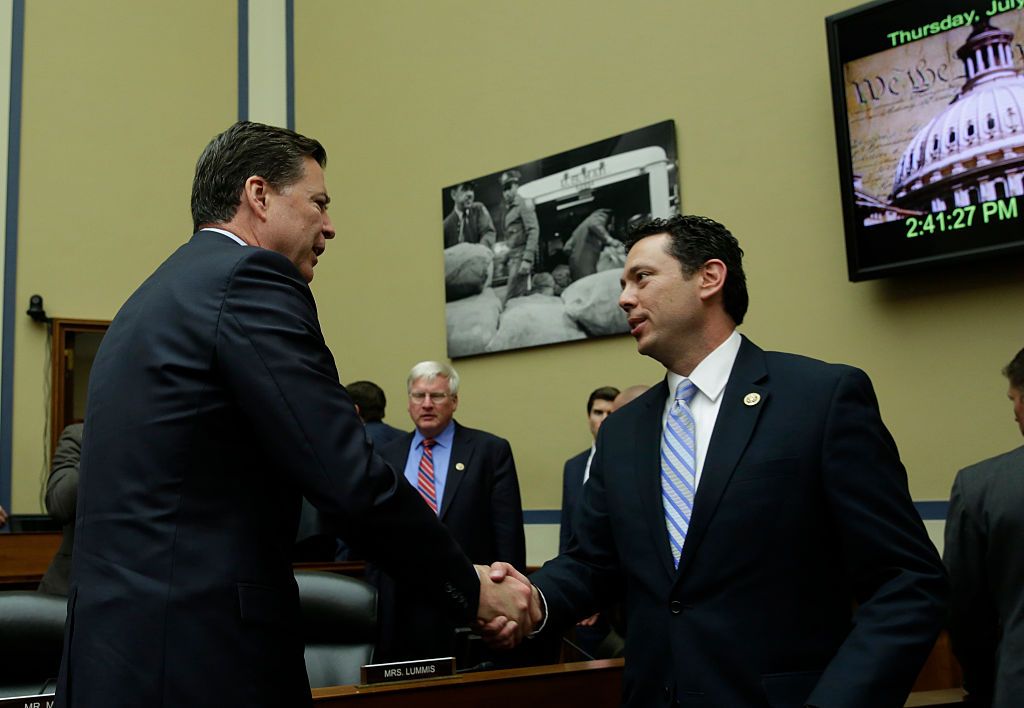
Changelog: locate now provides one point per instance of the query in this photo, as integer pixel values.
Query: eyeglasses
(420, 396)
(509, 185)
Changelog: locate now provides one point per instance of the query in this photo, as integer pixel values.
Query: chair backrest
(31, 640)
(339, 626)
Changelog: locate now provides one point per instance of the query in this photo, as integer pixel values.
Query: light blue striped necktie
(679, 467)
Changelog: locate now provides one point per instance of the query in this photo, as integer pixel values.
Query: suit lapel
(458, 463)
(734, 426)
(647, 472)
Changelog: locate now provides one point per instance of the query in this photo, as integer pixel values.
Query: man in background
(984, 538)
(61, 503)
(589, 632)
(629, 394)
(214, 406)
(370, 403)
(577, 468)
(468, 221)
(522, 233)
(751, 510)
(467, 478)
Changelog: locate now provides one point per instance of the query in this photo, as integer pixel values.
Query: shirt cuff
(544, 620)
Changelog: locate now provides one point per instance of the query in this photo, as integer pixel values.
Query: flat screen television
(929, 113)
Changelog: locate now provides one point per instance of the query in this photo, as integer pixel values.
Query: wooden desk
(595, 684)
(24, 557)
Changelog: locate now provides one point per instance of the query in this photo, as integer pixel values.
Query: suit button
(675, 606)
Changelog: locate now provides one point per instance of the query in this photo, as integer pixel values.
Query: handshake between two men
(510, 606)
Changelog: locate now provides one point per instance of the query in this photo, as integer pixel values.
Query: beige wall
(119, 98)
(410, 96)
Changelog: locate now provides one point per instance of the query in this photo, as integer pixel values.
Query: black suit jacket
(802, 510)
(572, 487)
(984, 536)
(482, 509)
(214, 405)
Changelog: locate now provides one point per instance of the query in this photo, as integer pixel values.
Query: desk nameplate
(44, 700)
(406, 671)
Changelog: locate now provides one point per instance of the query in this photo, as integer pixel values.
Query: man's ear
(712, 278)
(255, 193)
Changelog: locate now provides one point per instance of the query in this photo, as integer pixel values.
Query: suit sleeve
(565, 522)
(62, 485)
(586, 577)
(973, 624)
(274, 359)
(507, 508)
(897, 577)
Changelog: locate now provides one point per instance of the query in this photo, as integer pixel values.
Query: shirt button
(675, 606)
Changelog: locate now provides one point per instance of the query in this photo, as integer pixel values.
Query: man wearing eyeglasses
(468, 478)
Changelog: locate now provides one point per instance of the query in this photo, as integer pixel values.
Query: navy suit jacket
(214, 406)
(572, 487)
(984, 535)
(802, 510)
(482, 508)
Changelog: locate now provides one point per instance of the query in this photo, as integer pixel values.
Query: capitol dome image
(973, 151)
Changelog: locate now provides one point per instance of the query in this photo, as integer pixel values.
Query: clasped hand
(510, 606)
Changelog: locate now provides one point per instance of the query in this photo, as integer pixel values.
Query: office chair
(32, 628)
(339, 626)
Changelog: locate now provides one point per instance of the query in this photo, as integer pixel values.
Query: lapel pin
(459, 466)
(752, 399)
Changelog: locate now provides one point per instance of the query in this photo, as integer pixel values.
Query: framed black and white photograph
(533, 253)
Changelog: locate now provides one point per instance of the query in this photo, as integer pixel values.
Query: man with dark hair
(750, 510)
(592, 630)
(577, 468)
(370, 403)
(468, 221)
(214, 405)
(984, 537)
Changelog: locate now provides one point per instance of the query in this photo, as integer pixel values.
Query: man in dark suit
(577, 468)
(468, 478)
(61, 501)
(468, 221)
(984, 537)
(370, 404)
(214, 405)
(590, 631)
(742, 592)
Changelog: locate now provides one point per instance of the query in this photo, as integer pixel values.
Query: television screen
(929, 109)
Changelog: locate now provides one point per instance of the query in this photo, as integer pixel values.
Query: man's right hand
(507, 631)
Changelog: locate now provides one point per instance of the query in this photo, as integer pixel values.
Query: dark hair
(605, 393)
(1014, 371)
(240, 152)
(693, 241)
(370, 399)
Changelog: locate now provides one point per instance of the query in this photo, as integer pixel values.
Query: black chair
(31, 640)
(339, 626)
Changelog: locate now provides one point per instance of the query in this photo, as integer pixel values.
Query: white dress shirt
(710, 378)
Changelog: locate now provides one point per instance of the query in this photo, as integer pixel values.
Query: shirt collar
(712, 373)
(228, 234)
(444, 439)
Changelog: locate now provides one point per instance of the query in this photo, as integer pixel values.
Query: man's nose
(626, 299)
(328, 227)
